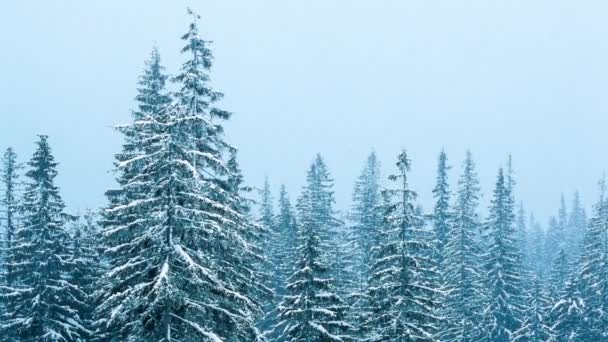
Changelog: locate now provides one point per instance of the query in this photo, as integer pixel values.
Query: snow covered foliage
(536, 326)
(312, 310)
(366, 215)
(463, 272)
(42, 301)
(504, 277)
(592, 280)
(86, 267)
(441, 212)
(177, 246)
(403, 293)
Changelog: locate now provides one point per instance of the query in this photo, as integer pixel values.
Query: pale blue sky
(339, 77)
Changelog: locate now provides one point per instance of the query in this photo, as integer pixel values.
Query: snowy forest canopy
(186, 250)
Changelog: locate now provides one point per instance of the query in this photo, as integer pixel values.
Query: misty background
(339, 78)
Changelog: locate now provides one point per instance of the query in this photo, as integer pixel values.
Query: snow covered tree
(592, 279)
(536, 326)
(283, 256)
(10, 202)
(536, 255)
(152, 97)
(441, 213)
(577, 224)
(502, 316)
(463, 302)
(42, 301)
(403, 292)
(287, 233)
(554, 241)
(312, 310)
(266, 206)
(559, 274)
(178, 247)
(521, 230)
(567, 314)
(366, 218)
(86, 268)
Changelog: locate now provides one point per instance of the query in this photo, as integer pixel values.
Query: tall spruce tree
(403, 293)
(366, 215)
(441, 213)
(312, 310)
(463, 302)
(42, 301)
(86, 269)
(567, 314)
(592, 279)
(577, 225)
(502, 316)
(10, 210)
(536, 255)
(178, 246)
(536, 326)
(283, 256)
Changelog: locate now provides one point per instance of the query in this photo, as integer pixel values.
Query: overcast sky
(528, 78)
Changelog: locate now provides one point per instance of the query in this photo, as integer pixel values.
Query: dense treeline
(183, 252)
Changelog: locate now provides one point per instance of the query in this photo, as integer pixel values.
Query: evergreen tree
(536, 326)
(402, 292)
(522, 234)
(42, 302)
(86, 269)
(10, 202)
(567, 314)
(592, 279)
(536, 255)
(366, 215)
(266, 206)
(559, 274)
(441, 213)
(312, 310)
(152, 97)
(577, 223)
(283, 255)
(554, 241)
(462, 305)
(178, 247)
(502, 316)
(287, 233)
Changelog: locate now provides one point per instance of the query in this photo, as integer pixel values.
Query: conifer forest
(187, 248)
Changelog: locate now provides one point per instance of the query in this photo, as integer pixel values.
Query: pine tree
(152, 97)
(42, 302)
(463, 303)
(554, 242)
(567, 314)
(269, 243)
(402, 292)
(266, 206)
(536, 255)
(504, 278)
(312, 310)
(577, 223)
(522, 234)
(559, 274)
(536, 326)
(10, 202)
(592, 278)
(288, 234)
(441, 213)
(86, 269)
(366, 219)
(179, 250)
(283, 256)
